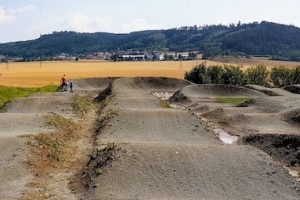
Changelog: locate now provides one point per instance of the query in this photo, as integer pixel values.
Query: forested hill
(265, 38)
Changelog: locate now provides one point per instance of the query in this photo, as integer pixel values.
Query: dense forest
(279, 41)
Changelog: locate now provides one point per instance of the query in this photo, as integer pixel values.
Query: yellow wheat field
(36, 74)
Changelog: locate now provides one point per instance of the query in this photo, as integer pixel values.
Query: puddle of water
(225, 137)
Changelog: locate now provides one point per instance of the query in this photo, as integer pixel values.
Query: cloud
(79, 22)
(5, 17)
(137, 25)
(83, 23)
(24, 9)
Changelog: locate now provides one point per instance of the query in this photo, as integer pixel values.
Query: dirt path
(167, 154)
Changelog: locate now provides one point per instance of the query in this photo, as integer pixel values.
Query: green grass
(164, 104)
(9, 93)
(232, 100)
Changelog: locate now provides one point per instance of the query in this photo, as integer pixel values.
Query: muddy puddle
(225, 137)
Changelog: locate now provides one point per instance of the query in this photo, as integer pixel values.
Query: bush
(296, 75)
(215, 74)
(197, 75)
(258, 75)
(233, 75)
(281, 76)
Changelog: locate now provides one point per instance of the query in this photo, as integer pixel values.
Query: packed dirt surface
(141, 147)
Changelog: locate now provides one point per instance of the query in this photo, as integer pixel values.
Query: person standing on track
(71, 86)
(63, 81)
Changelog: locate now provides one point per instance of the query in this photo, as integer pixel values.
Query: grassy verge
(233, 100)
(9, 93)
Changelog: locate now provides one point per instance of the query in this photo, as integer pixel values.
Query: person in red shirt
(63, 80)
(64, 84)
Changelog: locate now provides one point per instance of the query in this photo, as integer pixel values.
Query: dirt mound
(150, 83)
(273, 91)
(239, 118)
(293, 89)
(40, 104)
(292, 117)
(92, 84)
(178, 97)
(283, 147)
(217, 114)
(268, 105)
(219, 90)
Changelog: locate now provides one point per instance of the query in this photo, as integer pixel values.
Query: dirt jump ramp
(163, 153)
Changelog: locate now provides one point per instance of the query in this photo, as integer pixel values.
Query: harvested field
(35, 74)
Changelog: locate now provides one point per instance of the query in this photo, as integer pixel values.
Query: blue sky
(28, 19)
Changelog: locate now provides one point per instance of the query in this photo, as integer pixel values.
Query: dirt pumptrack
(148, 151)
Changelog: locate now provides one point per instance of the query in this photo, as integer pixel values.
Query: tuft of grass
(233, 100)
(9, 93)
(109, 146)
(164, 104)
(99, 171)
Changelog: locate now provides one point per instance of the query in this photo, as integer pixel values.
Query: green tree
(215, 73)
(258, 75)
(233, 75)
(281, 76)
(296, 75)
(197, 75)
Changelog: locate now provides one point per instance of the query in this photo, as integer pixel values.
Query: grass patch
(164, 104)
(9, 93)
(233, 100)
(47, 88)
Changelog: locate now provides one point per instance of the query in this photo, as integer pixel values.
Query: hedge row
(233, 75)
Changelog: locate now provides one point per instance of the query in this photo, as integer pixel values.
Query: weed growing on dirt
(54, 145)
(232, 100)
(164, 104)
(83, 104)
(62, 124)
(109, 146)
(99, 171)
(103, 120)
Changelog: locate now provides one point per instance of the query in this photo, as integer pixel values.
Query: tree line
(281, 42)
(233, 75)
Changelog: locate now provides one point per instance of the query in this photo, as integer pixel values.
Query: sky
(22, 20)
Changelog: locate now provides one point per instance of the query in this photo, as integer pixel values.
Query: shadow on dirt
(293, 89)
(283, 147)
(84, 179)
(292, 117)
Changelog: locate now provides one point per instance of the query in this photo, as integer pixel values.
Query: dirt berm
(146, 150)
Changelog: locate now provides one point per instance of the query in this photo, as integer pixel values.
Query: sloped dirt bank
(284, 148)
(83, 179)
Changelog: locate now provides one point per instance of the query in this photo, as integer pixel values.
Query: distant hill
(266, 38)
